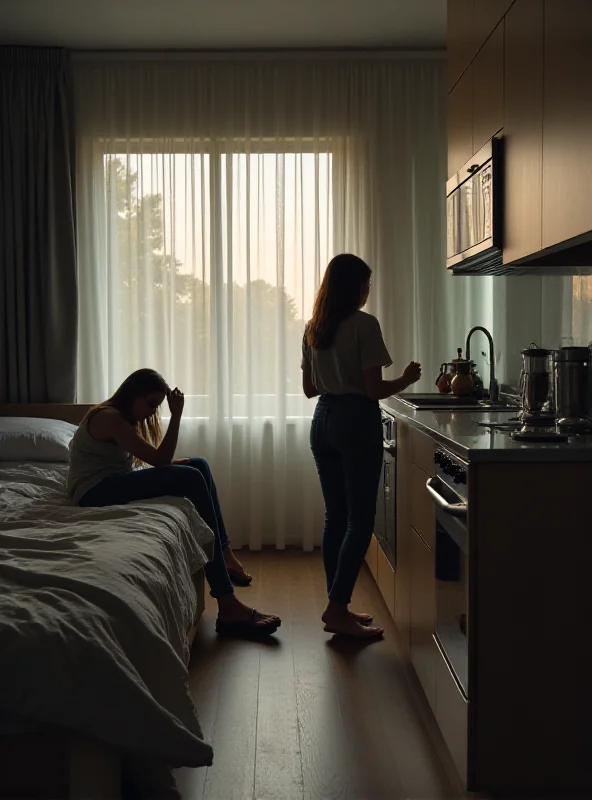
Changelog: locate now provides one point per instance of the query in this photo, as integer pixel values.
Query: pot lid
(573, 354)
(534, 351)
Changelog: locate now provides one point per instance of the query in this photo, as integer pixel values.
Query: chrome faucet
(493, 384)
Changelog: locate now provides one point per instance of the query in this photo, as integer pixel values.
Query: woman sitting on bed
(125, 431)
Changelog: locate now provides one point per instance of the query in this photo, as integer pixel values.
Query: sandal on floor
(239, 578)
(248, 629)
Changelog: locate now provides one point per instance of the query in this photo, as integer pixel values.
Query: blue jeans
(346, 442)
(193, 481)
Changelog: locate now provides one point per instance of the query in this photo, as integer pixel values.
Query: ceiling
(224, 24)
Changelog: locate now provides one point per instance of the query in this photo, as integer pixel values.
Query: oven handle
(453, 509)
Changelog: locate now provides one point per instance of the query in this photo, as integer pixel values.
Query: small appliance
(573, 379)
(537, 386)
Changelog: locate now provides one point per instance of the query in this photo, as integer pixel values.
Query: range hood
(572, 257)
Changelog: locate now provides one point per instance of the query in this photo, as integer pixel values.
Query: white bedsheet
(94, 607)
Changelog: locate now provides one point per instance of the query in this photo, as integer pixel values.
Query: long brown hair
(139, 384)
(339, 295)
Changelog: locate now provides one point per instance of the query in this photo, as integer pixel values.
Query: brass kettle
(444, 379)
(462, 384)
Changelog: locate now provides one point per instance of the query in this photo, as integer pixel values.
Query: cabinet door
(423, 600)
(379, 519)
(460, 123)
(488, 89)
(459, 38)
(487, 15)
(385, 577)
(404, 550)
(523, 130)
(372, 557)
(451, 712)
(423, 515)
(567, 120)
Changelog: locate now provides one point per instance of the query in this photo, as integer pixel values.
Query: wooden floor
(306, 717)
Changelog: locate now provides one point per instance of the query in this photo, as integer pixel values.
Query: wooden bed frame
(58, 763)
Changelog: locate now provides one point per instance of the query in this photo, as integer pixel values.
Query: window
(214, 252)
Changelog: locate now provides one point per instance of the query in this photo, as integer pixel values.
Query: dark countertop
(460, 433)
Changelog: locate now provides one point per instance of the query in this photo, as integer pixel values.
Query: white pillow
(31, 439)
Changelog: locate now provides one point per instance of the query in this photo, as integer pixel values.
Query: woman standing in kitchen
(343, 354)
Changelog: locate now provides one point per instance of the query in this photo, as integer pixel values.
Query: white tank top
(92, 461)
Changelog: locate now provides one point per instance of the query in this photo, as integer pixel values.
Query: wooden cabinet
(567, 120)
(372, 557)
(385, 578)
(459, 38)
(487, 15)
(460, 123)
(475, 76)
(422, 507)
(523, 129)
(423, 600)
(422, 452)
(488, 89)
(451, 712)
(404, 534)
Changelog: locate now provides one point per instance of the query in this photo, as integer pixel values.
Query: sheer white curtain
(211, 196)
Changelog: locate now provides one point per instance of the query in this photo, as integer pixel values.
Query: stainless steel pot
(572, 378)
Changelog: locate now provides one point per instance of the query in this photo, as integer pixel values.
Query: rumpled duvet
(94, 608)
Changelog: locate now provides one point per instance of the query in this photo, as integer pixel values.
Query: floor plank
(309, 717)
(278, 767)
(325, 764)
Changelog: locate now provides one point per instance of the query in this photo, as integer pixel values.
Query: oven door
(452, 579)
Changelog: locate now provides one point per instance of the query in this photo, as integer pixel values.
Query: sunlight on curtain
(212, 259)
(211, 196)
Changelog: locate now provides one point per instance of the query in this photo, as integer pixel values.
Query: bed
(98, 611)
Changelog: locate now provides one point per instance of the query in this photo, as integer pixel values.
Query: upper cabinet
(459, 38)
(488, 89)
(476, 95)
(567, 120)
(460, 122)
(487, 14)
(523, 129)
(523, 69)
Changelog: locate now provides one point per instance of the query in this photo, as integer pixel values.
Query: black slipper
(238, 578)
(248, 629)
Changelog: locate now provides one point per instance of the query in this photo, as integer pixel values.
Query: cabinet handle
(454, 509)
(387, 480)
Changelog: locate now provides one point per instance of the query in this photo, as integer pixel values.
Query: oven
(385, 523)
(448, 489)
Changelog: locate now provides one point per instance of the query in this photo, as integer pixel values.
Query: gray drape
(38, 296)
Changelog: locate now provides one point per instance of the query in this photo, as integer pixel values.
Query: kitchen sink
(448, 402)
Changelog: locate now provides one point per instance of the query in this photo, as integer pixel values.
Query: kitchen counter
(459, 432)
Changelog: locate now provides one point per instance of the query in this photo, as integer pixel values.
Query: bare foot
(234, 565)
(230, 609)
(339, 620)
(363, 619)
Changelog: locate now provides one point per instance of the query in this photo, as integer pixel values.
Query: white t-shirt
(358, 345)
